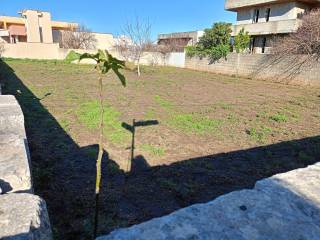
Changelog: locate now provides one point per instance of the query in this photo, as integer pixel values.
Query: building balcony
(267, 28)
(233, 5)
(4, 33)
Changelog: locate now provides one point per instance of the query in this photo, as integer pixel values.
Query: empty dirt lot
(215, 134)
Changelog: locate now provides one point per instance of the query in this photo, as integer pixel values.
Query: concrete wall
(32, 25)
(32, 50)
(23, 215)
(46, 27)
(104, 41)
(263, 67)
(158, 59)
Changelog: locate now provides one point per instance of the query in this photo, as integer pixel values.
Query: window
(264, 43)
(41, 34)
(252, 44)
(256, 16)
(268, 11)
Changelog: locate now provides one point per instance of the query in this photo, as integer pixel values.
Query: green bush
(215, 43)
(242, 41)
(218, 52)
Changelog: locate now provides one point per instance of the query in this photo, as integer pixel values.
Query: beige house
(33, 27)
(266, 20)
(35, 35)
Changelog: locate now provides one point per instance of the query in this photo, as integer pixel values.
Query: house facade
(35, 35)
(266, 20)
(33, 27)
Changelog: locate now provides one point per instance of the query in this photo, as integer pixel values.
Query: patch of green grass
(155, 151)
(89, 115)
(260, 134)
(162, 102)
(279, 117)
(194, 123)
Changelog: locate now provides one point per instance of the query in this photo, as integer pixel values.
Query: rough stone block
(14, 164)
(23, 217)
(286, 206)
(11, 116)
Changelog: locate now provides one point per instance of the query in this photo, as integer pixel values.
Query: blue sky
(109, 16)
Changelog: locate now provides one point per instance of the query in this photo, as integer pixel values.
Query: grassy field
(215, 134)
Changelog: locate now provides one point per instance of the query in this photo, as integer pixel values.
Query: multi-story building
(35, 28)
(266, 20)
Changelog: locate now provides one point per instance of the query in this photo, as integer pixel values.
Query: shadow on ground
(64, 173)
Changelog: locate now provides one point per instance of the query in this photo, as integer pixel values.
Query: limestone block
(11, 116)
(23, 217)
(14, 164)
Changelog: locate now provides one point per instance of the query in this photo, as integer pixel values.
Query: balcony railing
(234, 4)
(4, 33)
(266, 28)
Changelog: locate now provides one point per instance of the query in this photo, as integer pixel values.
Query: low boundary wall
(23, 215)
(291, 70)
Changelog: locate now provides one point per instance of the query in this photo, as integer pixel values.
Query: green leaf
(106, 62)
(120, 76)
(89, 56)
(102, 55)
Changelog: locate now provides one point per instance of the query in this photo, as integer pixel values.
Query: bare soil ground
(216, 134)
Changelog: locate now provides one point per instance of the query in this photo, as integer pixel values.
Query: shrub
(242, 41)
(214, 44)
(218, 52)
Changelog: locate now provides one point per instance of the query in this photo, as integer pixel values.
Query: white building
(268, 19)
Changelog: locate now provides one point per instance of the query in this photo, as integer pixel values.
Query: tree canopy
(215, 43)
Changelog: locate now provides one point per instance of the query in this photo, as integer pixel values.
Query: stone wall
(263, 67)
(286, 206)
(23, 215)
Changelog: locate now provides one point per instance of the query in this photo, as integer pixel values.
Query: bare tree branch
(137, 38)
(306, 41)
(78, 38)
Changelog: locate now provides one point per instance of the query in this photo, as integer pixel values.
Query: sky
(108, 16)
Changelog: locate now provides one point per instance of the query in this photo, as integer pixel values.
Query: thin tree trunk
(99, 160)
(139, 73)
